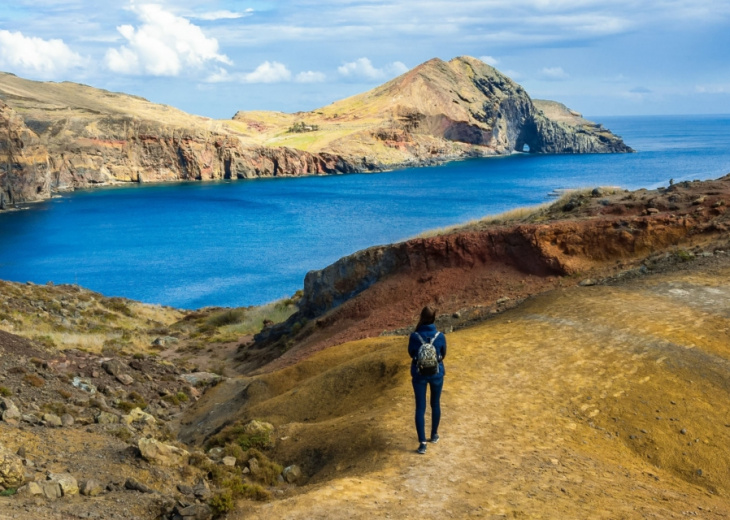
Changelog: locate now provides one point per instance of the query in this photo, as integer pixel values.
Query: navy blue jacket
(426, 332)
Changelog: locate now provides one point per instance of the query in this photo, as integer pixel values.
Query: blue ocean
(236, 243)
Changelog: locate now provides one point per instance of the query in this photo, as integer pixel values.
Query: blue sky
(216, 57)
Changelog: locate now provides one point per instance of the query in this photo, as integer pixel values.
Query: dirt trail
(588, 402)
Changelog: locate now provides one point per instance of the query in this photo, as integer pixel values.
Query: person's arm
(443, 349)
(413, 345)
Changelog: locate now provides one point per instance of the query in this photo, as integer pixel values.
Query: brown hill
(60, 136)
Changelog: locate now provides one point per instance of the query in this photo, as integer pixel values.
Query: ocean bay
(248, 242)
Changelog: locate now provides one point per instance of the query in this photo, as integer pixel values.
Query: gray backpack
(427, 359)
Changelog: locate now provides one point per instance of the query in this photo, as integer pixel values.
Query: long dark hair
(428, 316)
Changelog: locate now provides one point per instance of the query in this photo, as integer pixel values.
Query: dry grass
(64, 316)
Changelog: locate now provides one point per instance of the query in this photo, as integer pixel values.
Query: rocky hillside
(60, 136)
(437, 110)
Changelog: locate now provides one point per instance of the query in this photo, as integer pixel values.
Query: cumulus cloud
(553, 73)
(163, 45)
(489, 60)
(268, 72)
(28, 54)
(310, 77)
(362, 68)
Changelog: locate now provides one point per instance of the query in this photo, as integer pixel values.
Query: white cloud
(553, 73)
(268, 72)
(712, 89)
(28, 54)
(164, 45)
(222, 15)
(489, 60)
(362, 68)
(310, 77)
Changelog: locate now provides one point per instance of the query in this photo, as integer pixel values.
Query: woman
(424, 334)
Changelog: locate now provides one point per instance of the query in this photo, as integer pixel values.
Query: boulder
(12, 472)
(138, 416)
(263, 431)
(229, 461)
(91, 488)
(215, 453)
(66, 481)
(196, 512)
(134, 485)
(125, 379)
(85, 384)
(30, 489)
(10, 412)
(107, 418)
(51, 490)
(51, 419)
(196, 378)
(67, 419)
(292, 474)
(30, 418)
(161, 454)
(113, 366)
(201, 489)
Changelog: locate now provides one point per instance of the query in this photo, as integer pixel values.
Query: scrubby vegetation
(300, 127)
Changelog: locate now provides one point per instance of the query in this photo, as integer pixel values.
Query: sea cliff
(62, 136)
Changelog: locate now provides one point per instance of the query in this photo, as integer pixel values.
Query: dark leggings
(419, 389)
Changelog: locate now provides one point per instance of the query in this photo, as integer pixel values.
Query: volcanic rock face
(61, 136)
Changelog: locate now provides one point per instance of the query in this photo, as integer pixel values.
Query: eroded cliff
(61, 136)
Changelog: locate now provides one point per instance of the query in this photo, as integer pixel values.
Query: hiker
(427, 348)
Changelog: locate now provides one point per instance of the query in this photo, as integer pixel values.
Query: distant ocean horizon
(247, 242)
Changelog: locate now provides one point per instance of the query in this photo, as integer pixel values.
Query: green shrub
(117, 305)
(269, 470)
(684, 256)
(5, 392)
(121, 433)
(241, 489)
(137, 399)
(227, 317)
(182, 397)
(8, 492)
(221, 503)
(126, 406)
(172, 399)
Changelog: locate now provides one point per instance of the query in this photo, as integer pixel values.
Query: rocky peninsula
(62, 136)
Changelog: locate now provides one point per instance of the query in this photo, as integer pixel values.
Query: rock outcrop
(62, 136)
(56, 137)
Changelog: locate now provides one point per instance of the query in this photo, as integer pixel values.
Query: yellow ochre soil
(583, 402)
